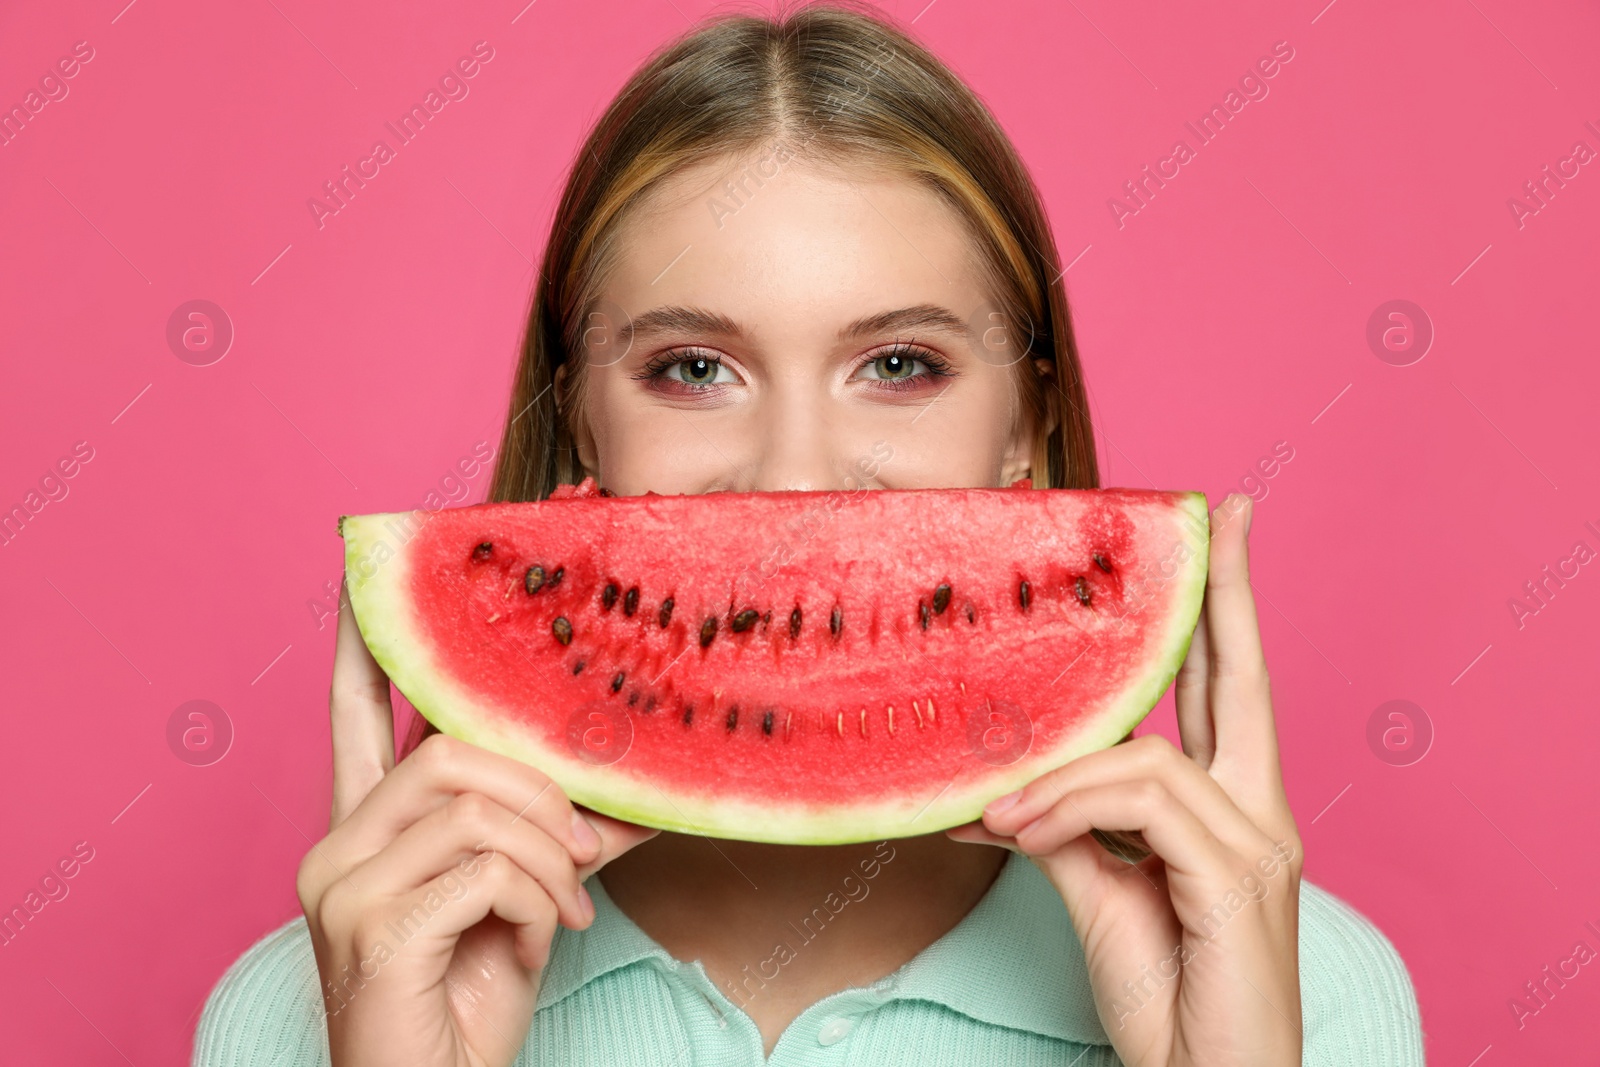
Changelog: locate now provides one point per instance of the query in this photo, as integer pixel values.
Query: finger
(1240, 699)
(467, 828)
(1181, 839)
(616, 838)
(1240, 696)
(452, 903)
(439, 770)
(361, 717)
(1191, 692)
(978, 834)
(1151, 758)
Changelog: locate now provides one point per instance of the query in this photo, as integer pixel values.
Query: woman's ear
(1020, 450)
(1018, 459)
(582, 439)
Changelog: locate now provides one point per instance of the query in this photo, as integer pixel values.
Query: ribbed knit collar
(1014, 960)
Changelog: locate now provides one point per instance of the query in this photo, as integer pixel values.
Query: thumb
(978, 834)
(616, 838)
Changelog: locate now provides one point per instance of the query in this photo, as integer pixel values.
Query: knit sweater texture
(1007, 985)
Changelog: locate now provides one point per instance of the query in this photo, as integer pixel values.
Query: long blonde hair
(840, 80)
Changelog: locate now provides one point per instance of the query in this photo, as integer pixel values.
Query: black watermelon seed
(533, 579)
(836, 620)
(766, 619)
(1100, 561)
(794, 622)
(708, 631)
(1081, 588)
(745, 619)
(1025, 594)
(650, 703)
(555, 579)
(630, 602)
(608, 595)
(633, 697)
(941, 599)
(922, 613)
(766, 723)
(607, 492)
(733, 718)
(971, 615)
(482, 551)
(562, 629)
(666, 612)
(577, 668)
(688, 714)
(617, 679)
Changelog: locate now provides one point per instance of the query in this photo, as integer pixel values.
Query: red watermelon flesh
(792, 667)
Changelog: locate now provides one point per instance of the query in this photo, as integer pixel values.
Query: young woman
(789, 247)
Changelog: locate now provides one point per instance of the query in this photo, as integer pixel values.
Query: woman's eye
(698, 371)
(893, 366)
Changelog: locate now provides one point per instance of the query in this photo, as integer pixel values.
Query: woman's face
(810, 330)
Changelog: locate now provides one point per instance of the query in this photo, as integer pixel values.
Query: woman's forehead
(806, 241)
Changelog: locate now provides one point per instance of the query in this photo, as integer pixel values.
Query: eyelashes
(937, 365)
(654, 373)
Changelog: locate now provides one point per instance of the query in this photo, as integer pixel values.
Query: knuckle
(566, 870)
(469, 811)
(369, 932)
(497, 874)
(1150, 795)
(544, 793)
(1292, 851)
(555, 862)
(547, 914)
(1156, 752)
(1245, 671)
(546, 917)
(308, 881)
(334, 907)
(557, 795)
(436, 754)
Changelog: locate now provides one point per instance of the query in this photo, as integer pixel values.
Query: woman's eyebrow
(915, 317)
(680, 319)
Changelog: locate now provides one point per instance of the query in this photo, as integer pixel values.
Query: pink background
(370, 355)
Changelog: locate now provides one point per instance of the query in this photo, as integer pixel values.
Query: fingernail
(587, 902)
(999, 804)
(584, 833)
(1249, 514)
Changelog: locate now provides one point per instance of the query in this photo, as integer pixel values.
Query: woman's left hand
(1193, 952)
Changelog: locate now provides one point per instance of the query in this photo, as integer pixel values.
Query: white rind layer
(388, 624)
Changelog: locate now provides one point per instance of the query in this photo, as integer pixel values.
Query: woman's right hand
(433, 900)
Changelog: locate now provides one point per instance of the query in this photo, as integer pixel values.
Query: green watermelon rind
(384, 619)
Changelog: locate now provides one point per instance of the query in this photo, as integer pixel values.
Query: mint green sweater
(1006, 986)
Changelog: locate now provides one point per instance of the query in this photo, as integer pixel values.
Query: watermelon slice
(791, 667)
